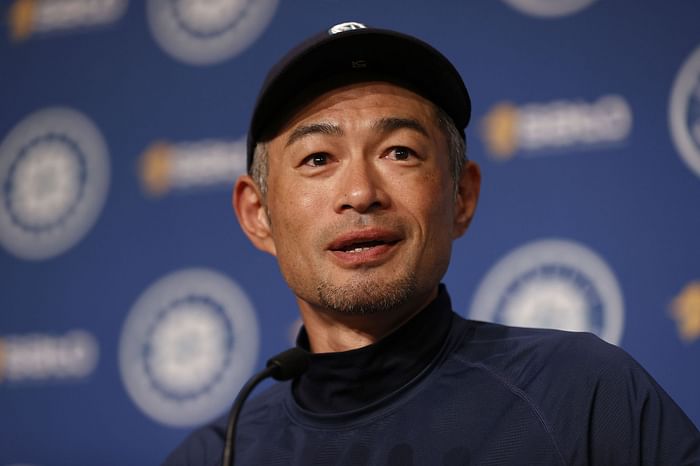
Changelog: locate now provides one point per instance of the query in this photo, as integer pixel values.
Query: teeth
(359, 249)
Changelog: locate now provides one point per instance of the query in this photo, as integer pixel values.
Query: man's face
(360, 200)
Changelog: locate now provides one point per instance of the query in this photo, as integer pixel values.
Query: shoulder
(596, 401)
(509, 349)
(552, 369)
(202, 447)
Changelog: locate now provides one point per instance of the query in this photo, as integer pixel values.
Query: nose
(360, 187)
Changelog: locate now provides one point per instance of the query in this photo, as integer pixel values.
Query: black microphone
(284, 366)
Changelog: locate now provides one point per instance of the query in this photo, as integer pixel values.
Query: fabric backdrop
(132, 307)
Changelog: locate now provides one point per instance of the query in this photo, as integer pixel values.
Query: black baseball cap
(352, 52)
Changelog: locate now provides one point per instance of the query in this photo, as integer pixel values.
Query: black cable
(284, 366)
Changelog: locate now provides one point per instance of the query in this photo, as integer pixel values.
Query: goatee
(364, 297)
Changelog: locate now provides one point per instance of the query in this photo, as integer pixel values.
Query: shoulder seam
(522, 395)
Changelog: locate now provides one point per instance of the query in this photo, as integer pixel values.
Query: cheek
(299, 204)
(295, 212)
(439, 219)
(295, 192)
(434, 201)
(310, 201)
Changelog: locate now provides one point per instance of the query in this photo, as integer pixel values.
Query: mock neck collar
(349, 380)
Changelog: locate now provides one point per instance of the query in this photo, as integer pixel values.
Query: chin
(368, 295)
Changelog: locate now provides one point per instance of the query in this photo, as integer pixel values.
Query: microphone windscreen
(289, 364)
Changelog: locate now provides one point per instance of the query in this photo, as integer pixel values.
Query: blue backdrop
(132, 306)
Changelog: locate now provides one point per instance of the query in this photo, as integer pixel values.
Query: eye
(401, 153)
(316, 160)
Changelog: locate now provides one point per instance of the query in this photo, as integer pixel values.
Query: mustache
(359, 222)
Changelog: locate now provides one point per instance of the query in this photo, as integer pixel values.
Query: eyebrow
(384, 125)
(314, 128)
(390, 124)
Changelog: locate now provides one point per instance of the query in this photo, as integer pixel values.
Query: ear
(250, 210)
(468, 187)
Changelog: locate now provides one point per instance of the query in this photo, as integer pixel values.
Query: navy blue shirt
(442, 390)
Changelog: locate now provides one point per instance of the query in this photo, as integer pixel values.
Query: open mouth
(363, 246)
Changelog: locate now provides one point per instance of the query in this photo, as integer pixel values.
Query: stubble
(366, 297)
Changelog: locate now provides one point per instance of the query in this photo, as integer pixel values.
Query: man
(358, 185)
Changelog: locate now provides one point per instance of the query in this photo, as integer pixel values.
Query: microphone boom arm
(284, 366)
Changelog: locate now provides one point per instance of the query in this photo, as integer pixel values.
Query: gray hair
(456, 149)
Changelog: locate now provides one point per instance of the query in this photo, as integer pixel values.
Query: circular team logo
(552, 284)
(202, 32)
(188, 344)
(54, 176)
(549, 8)
(684, 112)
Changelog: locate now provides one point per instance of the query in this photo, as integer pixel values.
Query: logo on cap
(684, 112)
(552, 283)
(54, 175)
(188, 344)
(349, 26)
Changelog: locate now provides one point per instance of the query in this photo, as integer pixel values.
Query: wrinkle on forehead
(383, 125)
(302, 131)
(349, 92)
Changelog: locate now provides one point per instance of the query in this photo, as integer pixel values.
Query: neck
(330, 331)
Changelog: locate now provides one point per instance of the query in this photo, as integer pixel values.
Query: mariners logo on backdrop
(202, 32)
(684, 112)
(685, 309)
(54, 176)
(547, 128)
(552, 284)
(28, 17)
(166, 166)
(188, 344)
(549, 8)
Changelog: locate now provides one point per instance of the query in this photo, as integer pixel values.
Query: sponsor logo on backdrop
(203, 32)
(188, 344)
(685, 310)
(549, 8)
(42, 357)
(684, 112)
(552, 283)
(54, 177)
(29, 17)
(165, 166)
(547, 128)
